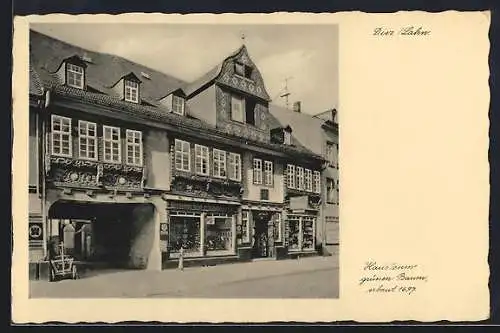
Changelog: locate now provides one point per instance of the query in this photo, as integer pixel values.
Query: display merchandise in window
(184, 232)
(218, 234)
(308, 233)
(294, 234)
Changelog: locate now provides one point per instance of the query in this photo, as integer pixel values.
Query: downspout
(45, 102)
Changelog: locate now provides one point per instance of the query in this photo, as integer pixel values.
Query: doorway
(263, 236)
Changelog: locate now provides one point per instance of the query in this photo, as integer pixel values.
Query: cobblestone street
(303, 278)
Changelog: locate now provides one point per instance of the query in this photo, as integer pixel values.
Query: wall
(252, 191)
(157, 159)
(202, 105)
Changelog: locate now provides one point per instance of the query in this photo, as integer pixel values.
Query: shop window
(61, 136)
(112, 144)
(219, 233)
(290, 173)
(245, 226)
(184, 232)
(277, 227)
(301, 233)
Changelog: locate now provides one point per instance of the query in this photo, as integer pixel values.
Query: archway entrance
(110, 235)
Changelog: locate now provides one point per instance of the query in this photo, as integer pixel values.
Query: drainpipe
(43, 117)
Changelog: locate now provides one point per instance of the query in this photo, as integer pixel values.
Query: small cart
(63, 267)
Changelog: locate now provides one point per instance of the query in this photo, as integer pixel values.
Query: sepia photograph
(183, 160)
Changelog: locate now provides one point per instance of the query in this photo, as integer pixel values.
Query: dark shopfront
(205, 229)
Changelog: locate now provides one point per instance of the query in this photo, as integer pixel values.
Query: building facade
(318, 133)
(129, 165)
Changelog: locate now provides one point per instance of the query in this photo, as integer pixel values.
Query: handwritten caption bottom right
(393, 278)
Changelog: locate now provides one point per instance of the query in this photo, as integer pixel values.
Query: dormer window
(287, 139)
(178, 105)
(131, 91)
(242, 70)
(74, 76)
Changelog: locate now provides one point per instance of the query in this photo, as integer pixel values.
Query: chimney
(334, 114)
(296, 106)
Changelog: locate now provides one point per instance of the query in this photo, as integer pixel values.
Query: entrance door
(263, 242)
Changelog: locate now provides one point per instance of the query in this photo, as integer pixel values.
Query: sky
(306, 54)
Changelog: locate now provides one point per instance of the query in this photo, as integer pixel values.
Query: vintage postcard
(251, 167)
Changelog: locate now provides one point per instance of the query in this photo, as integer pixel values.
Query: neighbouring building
(318, 133)
(129, 165)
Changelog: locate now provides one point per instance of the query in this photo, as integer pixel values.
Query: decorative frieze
(204, 187)
(92, 174)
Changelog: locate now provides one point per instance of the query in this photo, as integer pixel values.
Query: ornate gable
(253, 84)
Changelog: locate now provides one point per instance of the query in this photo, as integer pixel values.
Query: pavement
(314, 277)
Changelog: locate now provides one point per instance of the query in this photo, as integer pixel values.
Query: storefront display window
(245, 225)
(184, 232)
(277, 227)
(294, 234)
(308, 233)
(219, 233)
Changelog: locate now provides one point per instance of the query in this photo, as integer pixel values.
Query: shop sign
(35, 231)
(163, 229)
(299, 203)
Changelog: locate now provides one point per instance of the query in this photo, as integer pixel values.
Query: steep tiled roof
(103, 72)
(305, 128)
(36, 87)
(47, 54)
(209, 76)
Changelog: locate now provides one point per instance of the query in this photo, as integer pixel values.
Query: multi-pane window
(237, 109)
(74, 76)
(87, 140)
(290, 175)
(257, 171)
(177, 105)
(316, 182)
(331, 151)
(300, 178)
(131, 91)
(268, 173)
(112, 144)
(308, 180)
(134, 147)
(219, 163)
(234, 171)
(182, 155)
(61, 136)
(330, 190)
(287, 138)
(201, 160)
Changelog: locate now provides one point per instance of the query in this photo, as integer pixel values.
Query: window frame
(61, 133)
(129, 89)
(232, 164)
(257, 170)
(268, 173)
(182, 153)
(330, 197)
(287, 138)
(219, 160)
(240, 100)
(181, 102)
(86, 136)
(330, 153)
(134, 145)
(308, 183)
(300, 177)
(104, 141)
(292, 175)
(316, 182)
(200, 157)
(72, 68)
